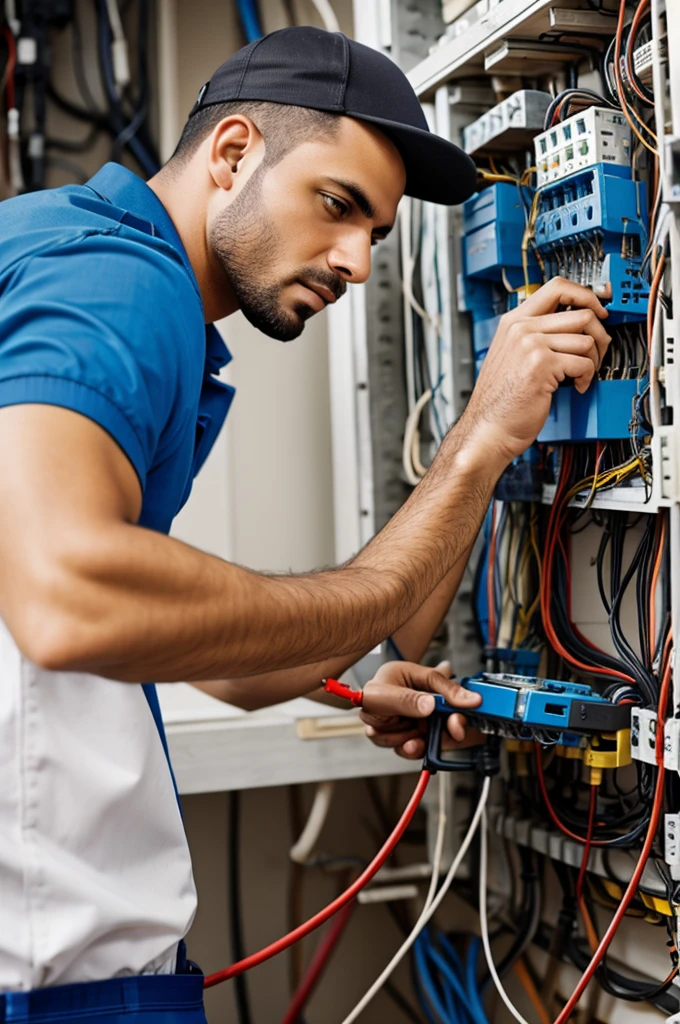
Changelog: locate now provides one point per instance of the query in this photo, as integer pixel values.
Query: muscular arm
(412, 639)
(84, 588)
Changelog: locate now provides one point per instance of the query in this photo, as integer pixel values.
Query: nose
(350, 257)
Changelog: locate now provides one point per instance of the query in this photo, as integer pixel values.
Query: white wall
(264, 498)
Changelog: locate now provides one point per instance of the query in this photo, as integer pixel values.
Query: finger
(412, 750)
(580, 368)
(461, 734)
(575, 345)
(572, 321)
(444, 669)
(560, 292)
(387, 723)
(456, 727)
(391, 739)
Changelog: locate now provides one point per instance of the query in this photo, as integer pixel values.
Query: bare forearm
(412, 639)
(135, 605)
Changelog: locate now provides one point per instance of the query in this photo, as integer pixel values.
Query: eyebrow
(363, 203)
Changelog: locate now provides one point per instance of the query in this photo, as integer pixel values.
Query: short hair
(282, 127)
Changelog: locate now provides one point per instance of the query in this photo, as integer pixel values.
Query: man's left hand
(398, 701)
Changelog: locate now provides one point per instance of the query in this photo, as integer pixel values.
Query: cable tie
(339, 689)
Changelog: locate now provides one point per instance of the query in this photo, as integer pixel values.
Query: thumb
(385, 700)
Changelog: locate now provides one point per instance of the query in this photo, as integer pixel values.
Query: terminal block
(592, 228)
(598, 135)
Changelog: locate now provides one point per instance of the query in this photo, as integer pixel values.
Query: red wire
(11, 64)
(551, 810)
(304, 929)
(317, 964)
(588, 843)
(639, 867)
(555, 521)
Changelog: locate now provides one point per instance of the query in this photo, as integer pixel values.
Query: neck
(186, 205)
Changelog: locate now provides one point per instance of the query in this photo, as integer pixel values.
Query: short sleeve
(101, 324)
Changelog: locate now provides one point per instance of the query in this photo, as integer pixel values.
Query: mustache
(325, 278)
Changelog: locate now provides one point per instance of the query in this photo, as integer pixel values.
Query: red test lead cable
(339, 689)
(304, 929)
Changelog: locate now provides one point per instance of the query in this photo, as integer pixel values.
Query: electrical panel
(573, 585)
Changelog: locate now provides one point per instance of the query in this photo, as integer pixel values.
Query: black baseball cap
(309, 67)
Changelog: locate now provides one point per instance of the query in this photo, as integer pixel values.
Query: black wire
(236, 920)
(117, 117)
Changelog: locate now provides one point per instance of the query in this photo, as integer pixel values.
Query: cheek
(303, 229)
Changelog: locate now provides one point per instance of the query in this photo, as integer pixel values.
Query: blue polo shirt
(100, 312)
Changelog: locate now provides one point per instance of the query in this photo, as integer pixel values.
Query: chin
(286, 326)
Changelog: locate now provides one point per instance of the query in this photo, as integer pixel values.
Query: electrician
(289, 169)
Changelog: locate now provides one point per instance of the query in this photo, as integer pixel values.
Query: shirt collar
(124, 189)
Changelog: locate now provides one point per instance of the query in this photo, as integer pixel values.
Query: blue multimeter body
(527, 708)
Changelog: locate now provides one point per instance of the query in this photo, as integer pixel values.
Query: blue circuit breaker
(605, 412)
(494, 221)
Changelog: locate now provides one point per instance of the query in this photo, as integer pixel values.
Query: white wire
(431, 904)
(410, 430)
(119, 54)
(484, 922)
(309, 836)
(327, 15)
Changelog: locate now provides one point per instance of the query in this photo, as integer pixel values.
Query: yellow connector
(519, 746)
(522, 749)
(609, 750)
(657, 904)
(569, 753)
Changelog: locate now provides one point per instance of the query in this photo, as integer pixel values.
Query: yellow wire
(497, 177)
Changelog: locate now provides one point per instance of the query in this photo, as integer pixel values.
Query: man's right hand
(534, 350)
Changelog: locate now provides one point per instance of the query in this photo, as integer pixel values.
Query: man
(290, 168)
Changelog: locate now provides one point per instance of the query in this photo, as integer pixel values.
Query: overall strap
(152, 698)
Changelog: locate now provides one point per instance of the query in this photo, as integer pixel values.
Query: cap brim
(436, 170)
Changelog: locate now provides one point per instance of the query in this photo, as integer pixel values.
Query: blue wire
(419, 950)
(472, 983)
(249, 20)
(420, 995)
(450, 951)
(454, 982)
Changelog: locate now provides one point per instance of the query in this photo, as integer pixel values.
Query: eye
(336, 206)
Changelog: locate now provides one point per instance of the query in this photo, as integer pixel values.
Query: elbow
(46, 637)
(49, 625)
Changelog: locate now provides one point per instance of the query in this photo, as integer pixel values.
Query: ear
(234, 143)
